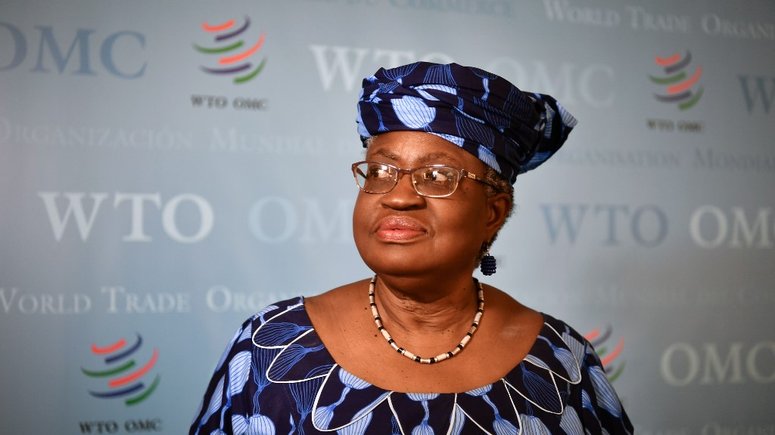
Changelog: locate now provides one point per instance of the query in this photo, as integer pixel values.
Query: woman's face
(403, 233)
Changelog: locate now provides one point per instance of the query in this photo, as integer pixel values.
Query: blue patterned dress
(276, 377)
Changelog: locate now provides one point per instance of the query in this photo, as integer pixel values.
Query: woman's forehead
(419, 148)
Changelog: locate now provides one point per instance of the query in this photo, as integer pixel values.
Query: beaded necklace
(440, 357)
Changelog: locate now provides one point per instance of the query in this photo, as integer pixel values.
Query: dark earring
(487, 265)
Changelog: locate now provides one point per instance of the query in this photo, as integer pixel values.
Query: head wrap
(509, 130)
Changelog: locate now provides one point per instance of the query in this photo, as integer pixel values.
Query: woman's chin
(399, 265)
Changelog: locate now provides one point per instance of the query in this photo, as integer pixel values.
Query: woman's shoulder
(548, 336)
(289, 317)
(276, 322)
(295, 309)
(513, 321)
(515, 312)
(563, 329)
(336, 297)
(275, 309)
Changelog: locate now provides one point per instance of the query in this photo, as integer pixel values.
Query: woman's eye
(437, 176)
(379, 173)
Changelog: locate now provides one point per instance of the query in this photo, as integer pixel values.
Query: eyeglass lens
(429, 181)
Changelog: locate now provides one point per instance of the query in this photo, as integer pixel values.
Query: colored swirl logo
(680, 86)
(609, 357)
(230, 54)
(125, 377)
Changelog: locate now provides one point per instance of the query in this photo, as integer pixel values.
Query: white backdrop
(148, 205)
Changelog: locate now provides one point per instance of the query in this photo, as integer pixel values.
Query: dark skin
(424, 251)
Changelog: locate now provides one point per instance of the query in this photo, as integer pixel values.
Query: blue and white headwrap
(509, 130)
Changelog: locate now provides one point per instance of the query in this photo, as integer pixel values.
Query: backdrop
(169, 168)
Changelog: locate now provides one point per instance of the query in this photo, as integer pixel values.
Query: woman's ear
(498, 209)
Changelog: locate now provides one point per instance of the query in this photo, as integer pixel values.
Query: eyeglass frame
(462, 173)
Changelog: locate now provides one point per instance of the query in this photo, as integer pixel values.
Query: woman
(422, 347)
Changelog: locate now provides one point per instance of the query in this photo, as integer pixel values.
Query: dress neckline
(549, 351)
(290, 352)
(532, 347)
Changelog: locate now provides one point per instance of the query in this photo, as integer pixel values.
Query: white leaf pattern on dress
(239, 369)
(606, 396)
(287, 358)
(501, 425)
(539, 392)
(504, 427)
(586, 403)
(570, 362)
(261, 425)
(533, 426)
(574, 345)
(277, 334)
(239, 424)
(532, 359)
(458, 420)
(352, 381)
(423, 428)
(570, 421)
(357, 428)
(215, 401)
(481, 391)
(322, 415)
(246, 333)
(268, 309)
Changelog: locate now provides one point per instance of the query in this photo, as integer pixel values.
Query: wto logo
(680, 87)
(609, 357)
(125, 377)
(229, 40)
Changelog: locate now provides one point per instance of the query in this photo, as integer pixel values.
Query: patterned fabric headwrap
(509, 130)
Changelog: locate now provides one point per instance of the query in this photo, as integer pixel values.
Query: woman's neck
(418, 307)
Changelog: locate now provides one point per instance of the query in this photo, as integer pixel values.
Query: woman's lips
(399, 228)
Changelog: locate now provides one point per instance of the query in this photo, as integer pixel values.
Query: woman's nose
(403, 195)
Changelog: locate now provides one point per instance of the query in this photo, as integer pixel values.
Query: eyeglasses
(432, 181)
